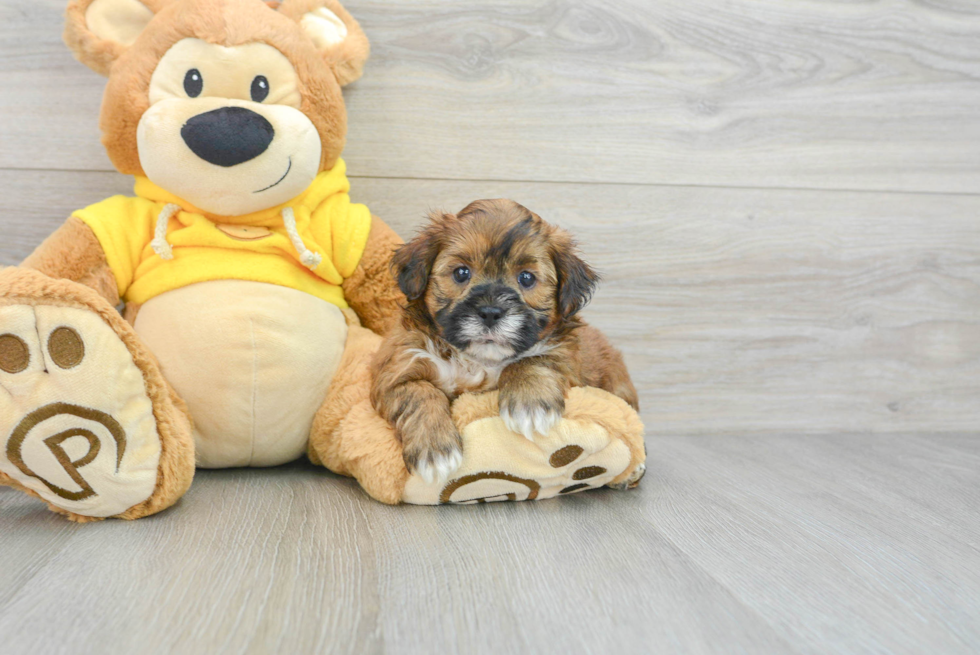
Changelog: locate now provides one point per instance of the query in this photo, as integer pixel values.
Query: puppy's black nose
(228, 136)
(490, 315)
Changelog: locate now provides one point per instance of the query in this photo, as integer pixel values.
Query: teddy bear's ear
(335, 33)
(99, 31)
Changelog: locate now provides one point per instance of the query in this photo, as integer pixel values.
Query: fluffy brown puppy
(493, 296)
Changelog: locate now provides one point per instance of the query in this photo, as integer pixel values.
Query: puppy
(493, 295)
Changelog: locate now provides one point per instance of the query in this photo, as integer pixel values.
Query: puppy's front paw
(527, 413)
(437, 467)
(434, 456)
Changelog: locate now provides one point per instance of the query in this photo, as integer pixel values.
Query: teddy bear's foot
(598, 442)
(83, 426)
(572, 457)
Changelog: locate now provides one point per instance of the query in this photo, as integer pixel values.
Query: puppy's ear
(412, 263)
(576, 279)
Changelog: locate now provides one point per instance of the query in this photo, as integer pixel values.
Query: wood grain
(748, 93)
(769, 543)
(822, 549)
(738, 309)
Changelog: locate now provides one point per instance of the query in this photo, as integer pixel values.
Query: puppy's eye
(461, 274)
(193, 83)
(260, 88)
(526, 279)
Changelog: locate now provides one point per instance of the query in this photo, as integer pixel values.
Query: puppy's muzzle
(491, 303)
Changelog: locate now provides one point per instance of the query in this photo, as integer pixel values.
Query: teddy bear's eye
(193, 83)
(260, 88)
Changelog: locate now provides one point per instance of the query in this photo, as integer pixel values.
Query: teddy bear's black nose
(228, 136)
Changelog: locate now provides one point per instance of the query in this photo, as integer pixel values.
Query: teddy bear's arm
(72, 252)
(372, 290)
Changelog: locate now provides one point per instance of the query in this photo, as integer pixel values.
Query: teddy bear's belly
(251, 360)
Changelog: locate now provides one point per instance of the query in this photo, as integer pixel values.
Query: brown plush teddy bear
(254, 288)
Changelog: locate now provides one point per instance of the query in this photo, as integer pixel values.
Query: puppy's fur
(491, 330)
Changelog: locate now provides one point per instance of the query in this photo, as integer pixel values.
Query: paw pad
(14, 354)
(584, 473)
(565, 456)
(66, 348)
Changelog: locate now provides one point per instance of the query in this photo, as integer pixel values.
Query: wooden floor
(784, 200)
(776, 544)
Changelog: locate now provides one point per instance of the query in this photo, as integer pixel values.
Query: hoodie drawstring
(309, 258)
(161, 247)
(159, 243)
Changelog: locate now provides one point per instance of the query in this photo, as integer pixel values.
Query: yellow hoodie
(157, 242)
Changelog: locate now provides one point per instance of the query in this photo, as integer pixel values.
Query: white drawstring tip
(162, 248)
(311, 259)
(307, 257)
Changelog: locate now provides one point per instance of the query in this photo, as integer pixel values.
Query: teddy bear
(254, 292)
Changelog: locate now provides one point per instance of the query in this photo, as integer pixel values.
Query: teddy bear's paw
(77, 427)
(500, 464)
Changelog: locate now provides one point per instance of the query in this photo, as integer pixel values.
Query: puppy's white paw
(439, 466)
(528, 420)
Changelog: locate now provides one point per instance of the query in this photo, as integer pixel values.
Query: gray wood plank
(845, 543)
(770, 543)
(747, 93)
(738, 309)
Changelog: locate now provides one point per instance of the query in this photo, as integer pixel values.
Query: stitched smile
(288, 168)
